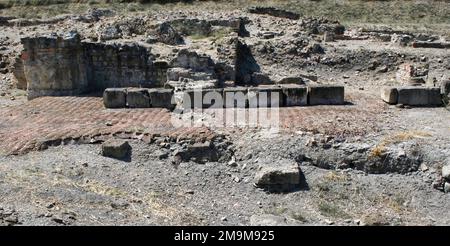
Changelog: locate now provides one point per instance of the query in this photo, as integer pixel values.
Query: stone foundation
(230, 97)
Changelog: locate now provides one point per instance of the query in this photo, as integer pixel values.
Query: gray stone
(138, 98)
(110, 33)
(446, 172)
(325, 94)
(445, 87)
(435, 45)
(267, 220)
(177, 73)
(19, 74)
(115, 148)
(328, 36)
(115, 97)
(205, 98)
(447, 187)
(294, 95)
(260, 79)
(264, 97)
(274, 12)
(291, 80)
(283, 175)
(161, 98)
(419, 96)
(389, 95)
(167, 34)
(235, 97)
(199, 152)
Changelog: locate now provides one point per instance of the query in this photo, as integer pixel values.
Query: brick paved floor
(25, 127)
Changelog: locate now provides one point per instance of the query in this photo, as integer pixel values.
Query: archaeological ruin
(225, 113)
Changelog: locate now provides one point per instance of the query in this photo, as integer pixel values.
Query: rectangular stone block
(235, 97)
(294, 95)
(264, 97)
(204, 98)
(138, 98)
(325, 94)
(389, 95)
(419, 96)
(161, 98)
(115, 97)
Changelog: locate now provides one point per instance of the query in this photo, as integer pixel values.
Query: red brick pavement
(54, 119)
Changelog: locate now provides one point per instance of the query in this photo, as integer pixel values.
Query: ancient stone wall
(61, 66)
(114, 65)
(54, 66)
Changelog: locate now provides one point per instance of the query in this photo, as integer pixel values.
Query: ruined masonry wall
(64, 66)
(54, 66)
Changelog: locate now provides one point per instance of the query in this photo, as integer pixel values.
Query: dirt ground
(52, 172)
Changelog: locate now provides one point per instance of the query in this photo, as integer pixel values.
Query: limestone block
(389, 95)
(138, 98)
(115, 97)
(294, 95)
(203, 98)
(161, 98)
(325, 95)
(419, 96)
(235, 97)
(264, 97)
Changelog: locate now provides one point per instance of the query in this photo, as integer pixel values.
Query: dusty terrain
(362, 163)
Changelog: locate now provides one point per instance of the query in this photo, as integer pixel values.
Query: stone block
(260, 79)
(138, 98)
(161, 98)
(292, 80)
(280, 176)
(204, 98)
(325, 95)
(264, 97)
(199, 152)
(118, 149)
(294, 95)
(419, 96)
(389, 95)
(235, 97)
(446, 172)
(115, 97)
